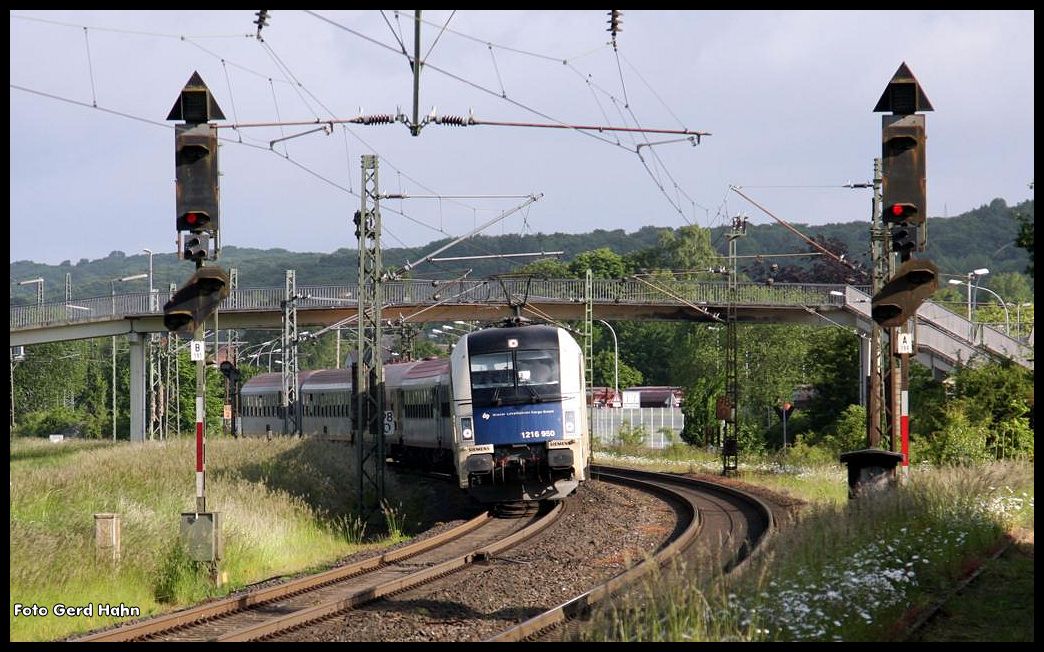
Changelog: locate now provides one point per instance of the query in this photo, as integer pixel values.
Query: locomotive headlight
(570, 422)
(465, 428)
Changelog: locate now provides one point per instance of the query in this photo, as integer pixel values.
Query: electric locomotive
(520, 412)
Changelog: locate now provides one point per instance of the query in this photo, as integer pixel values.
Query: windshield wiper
(537, 398)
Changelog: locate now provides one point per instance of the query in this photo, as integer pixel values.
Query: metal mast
(291, 423)
(369, 372)
(730, 440)
(878, 421)
(588, 352)
(172, 396)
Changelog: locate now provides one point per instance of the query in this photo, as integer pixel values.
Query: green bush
(1013, 439)
(848, 432)
(958, 441)
(57, 420)
(632, 436)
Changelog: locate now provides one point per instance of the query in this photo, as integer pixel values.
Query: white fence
(606, 424)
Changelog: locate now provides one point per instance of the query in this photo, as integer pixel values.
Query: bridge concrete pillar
(864, 371)
(137, 387)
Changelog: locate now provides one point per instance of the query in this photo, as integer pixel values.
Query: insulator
(379, 119)
(455, 120)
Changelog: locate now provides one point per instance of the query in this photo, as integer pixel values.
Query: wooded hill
(984, 237)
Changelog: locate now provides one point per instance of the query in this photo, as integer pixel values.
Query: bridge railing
(411, 292)
(961, 336)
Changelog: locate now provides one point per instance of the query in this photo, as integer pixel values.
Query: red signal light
(901, 212)
(192, 218)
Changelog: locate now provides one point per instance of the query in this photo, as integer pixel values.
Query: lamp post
(112, 287)
(39, 288)
(972, 277)
(72, 307)
(1007, 319)
(152, 301)
(616, 361)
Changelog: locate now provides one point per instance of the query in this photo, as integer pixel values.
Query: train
(505, 413)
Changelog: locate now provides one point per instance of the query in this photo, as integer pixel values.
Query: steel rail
(582, 604)
(231, 605)
(338, 605)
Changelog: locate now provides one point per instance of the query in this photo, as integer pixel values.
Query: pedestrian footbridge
(943, 338)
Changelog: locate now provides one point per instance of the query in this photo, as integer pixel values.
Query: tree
(93, 399)
(698, 408)
(647, 346)
(848, 432)
(319, 353)
(1012, 286)
(687, 248)
(423, 348)
(603, 263)
(1025, 236)
(49, 379)
(604, 365)
(987, 413)
(546, 268)
(998, 391)
(772, 364)
(957, 441)
(834, 365)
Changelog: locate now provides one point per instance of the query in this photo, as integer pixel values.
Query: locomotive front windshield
(515, 377)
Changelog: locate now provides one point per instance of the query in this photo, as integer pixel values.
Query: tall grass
(844, 572)
(286, 506)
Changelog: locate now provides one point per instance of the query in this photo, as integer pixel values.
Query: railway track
(702, 511)
(265, 612)
(710, 513)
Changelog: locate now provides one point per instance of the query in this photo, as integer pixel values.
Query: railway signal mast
(198, 223)
(901, 282)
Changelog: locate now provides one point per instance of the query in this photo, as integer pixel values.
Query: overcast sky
(786, 95)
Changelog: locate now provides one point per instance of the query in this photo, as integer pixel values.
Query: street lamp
(72, 307)
(975, 275)
(152, 301)
(113, 282)
(39, 289)
(1007, 320)
(616, 359)
(972, 277)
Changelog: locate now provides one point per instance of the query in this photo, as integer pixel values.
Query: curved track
(705, 515)
(724, 520)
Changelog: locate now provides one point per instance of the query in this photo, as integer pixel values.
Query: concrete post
(137, 387)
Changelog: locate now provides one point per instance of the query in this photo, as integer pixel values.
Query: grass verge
(285, 505)
(846, 570)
